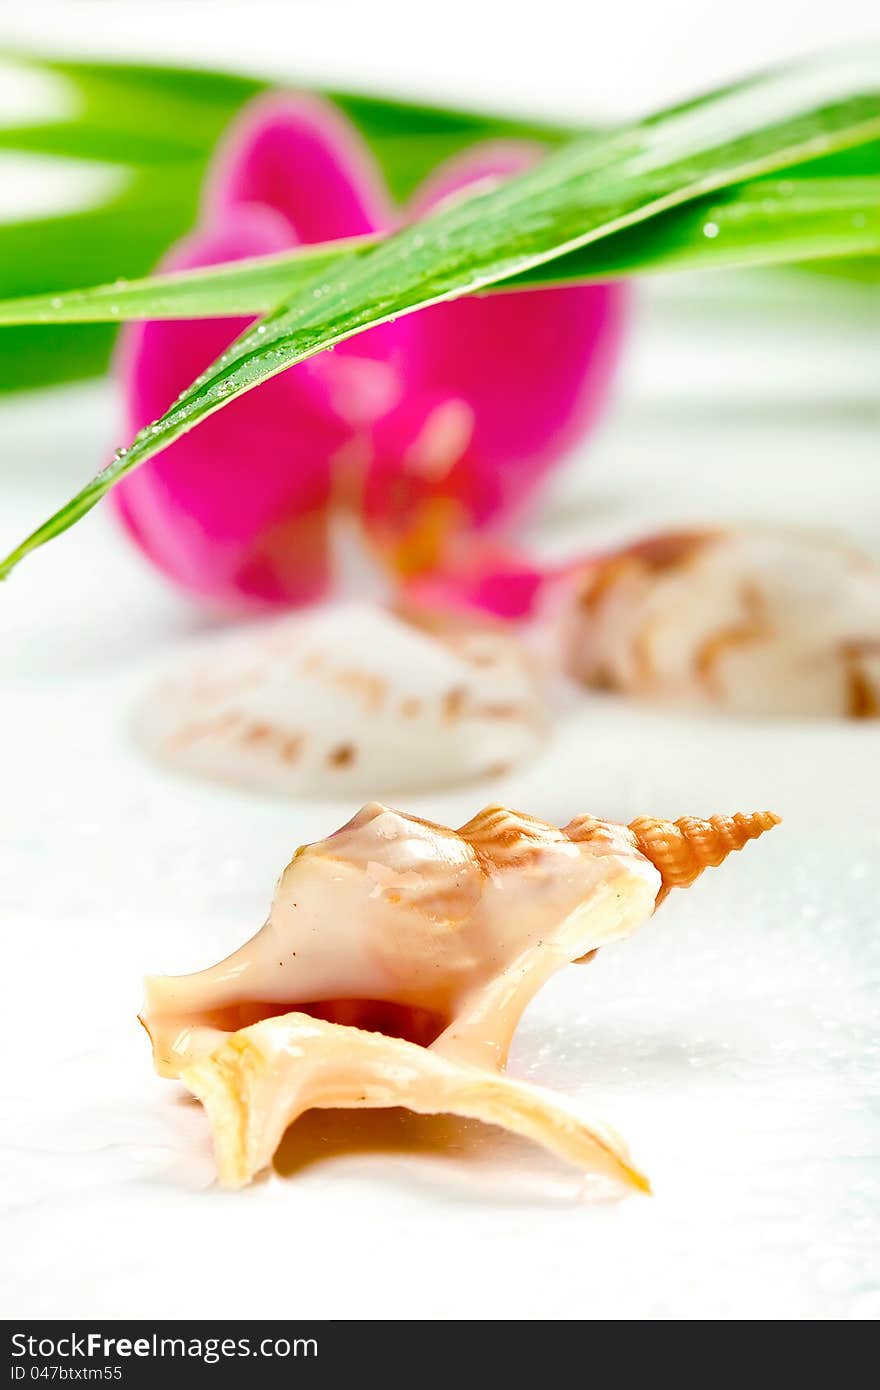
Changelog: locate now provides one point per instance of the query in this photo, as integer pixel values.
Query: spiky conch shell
(394, 918)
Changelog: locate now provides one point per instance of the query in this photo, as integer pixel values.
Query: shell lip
(261, 1080)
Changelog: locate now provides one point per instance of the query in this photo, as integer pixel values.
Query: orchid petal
(300, 156)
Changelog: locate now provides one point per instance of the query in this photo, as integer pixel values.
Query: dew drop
(56, 301)
(710, 229)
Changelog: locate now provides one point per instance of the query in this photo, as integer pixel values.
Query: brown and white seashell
(755, 621)
(396, 962)
(347, 699)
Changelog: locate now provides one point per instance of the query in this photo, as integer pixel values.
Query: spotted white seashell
(756, 621)
(348, 699)
(396, 962)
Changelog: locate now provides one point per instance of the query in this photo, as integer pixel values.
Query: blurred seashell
(396, 962)
(756, 621)
(347, 699)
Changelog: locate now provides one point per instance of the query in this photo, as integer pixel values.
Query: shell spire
(683, 848)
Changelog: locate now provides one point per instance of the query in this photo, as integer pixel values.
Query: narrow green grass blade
(764, 223)
(583, 193)
(122, 238)
(768, 222)
(863, 270)
(156, 113)
(236, 287)
(163, 134)
(164, 122)
(80, 138)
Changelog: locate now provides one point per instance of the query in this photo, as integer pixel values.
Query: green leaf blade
(767, 222)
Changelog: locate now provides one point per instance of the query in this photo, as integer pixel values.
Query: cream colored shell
(345, 700)
(755, 621)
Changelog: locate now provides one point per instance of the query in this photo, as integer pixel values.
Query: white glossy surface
(733, 1041)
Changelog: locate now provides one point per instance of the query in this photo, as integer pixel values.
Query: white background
(733, 1042)
(568, 57)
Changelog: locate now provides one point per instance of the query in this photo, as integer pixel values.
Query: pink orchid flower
(434, 431)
